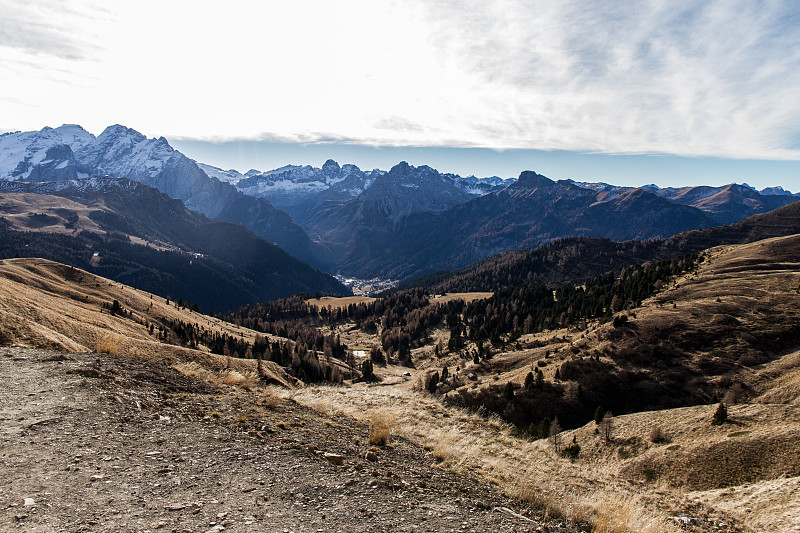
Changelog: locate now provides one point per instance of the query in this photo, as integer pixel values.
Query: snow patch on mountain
(226, 176)
(777, 191)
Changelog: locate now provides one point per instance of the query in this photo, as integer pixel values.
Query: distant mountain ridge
(380, 223)
(726, 204)
(532, 211)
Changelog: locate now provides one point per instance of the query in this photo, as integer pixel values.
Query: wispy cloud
(716, 77)
(710, 78)
(50, 27)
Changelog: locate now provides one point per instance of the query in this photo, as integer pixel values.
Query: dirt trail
(102, 443)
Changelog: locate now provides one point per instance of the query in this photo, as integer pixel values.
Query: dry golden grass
(108, 343)
(338, 303)
(24, 212)
(772, 505)
(625, 485)
(381, 422)
(608, 484)
(194, 370)
(269, 399)
(621, 514)
(466, 296)
(244, 380)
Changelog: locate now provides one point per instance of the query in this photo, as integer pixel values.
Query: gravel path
(99, 443)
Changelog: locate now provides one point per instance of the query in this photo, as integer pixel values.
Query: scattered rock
(334, 458)
(371, 456)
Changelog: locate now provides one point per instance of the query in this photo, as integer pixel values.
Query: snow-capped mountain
(49, 152)
(299, 189)
(302, 190)
(777, 191)
(231, 176)
(479, 186)
(70, 152)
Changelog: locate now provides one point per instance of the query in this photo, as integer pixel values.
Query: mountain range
(70, 152)
(400, 223)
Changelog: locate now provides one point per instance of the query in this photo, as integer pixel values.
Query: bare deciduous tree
(607, 426)
(555, 435)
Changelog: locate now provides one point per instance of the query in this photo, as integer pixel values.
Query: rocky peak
(530, 179)
(117, 131)
(331, 167)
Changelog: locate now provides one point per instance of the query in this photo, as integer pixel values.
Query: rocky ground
(94, 442)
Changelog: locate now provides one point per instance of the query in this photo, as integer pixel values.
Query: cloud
(717, 77)
(48, 27)
(711, 78)
(398, 124)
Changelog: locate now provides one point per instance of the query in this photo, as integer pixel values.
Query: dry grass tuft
(234, 377)
(621, 514)
(270, 401)
(657, 435)
(194, 370)
(551, 506)
(381, 422)
(245, 380)
(109, 344)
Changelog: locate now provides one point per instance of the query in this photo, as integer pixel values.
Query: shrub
(376, 355)
(529, 381)
(6, 337)
(509, 391)
(571, 452)
(542, 429)
(367, 370)
(720, 415)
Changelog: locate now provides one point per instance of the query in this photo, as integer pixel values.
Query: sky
(667, 92)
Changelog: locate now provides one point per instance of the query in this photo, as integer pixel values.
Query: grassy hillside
(49, 305)
(135, 235)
